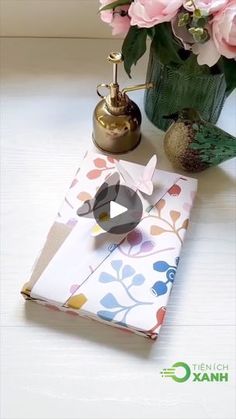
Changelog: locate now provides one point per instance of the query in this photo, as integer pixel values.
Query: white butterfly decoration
(144, 184)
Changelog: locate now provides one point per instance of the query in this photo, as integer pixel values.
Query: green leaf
(229, 67)
(197, 13)
(201, 22)
(151, 32)
(199, 34)
(183, 19)
(134, 46)
(115, 4)
(165, 45)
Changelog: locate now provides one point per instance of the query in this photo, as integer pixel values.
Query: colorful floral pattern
(130, 288)
(101, 165)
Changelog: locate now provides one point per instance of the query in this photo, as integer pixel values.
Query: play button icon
(117, 209)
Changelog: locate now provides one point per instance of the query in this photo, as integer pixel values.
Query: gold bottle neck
(117, 100)
(117, 105)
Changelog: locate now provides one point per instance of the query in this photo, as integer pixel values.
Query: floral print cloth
(124, 281)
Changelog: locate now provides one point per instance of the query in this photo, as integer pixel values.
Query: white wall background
(52, 18)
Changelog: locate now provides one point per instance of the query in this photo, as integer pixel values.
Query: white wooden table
(58, 367)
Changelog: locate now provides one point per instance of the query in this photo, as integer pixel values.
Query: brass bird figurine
(193, 144)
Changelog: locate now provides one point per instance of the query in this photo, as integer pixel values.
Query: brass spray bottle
(116, 118)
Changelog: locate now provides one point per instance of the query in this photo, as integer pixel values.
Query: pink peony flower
(147, 13)
(208, 6)
(224, 30)
(117, 19)
(182, 33)
(207, 53)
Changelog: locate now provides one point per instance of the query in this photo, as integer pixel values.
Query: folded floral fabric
(123, 280)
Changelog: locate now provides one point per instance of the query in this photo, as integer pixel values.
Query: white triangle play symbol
(116, 209)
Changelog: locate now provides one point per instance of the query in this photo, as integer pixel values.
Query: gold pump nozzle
(137, 87)
(118, 98)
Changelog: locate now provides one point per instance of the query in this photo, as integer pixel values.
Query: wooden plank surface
(58, 367)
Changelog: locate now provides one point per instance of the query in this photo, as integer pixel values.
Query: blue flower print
(126, 276)
(160, 287)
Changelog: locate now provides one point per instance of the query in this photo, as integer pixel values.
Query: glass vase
(178, 87)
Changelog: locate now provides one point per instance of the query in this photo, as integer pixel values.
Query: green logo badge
(179, 372)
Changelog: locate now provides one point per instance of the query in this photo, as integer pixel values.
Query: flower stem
(173, 229)
(123, 320)
(138, 255)
(193, 4)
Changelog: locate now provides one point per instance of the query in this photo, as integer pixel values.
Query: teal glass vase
(184, 86)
